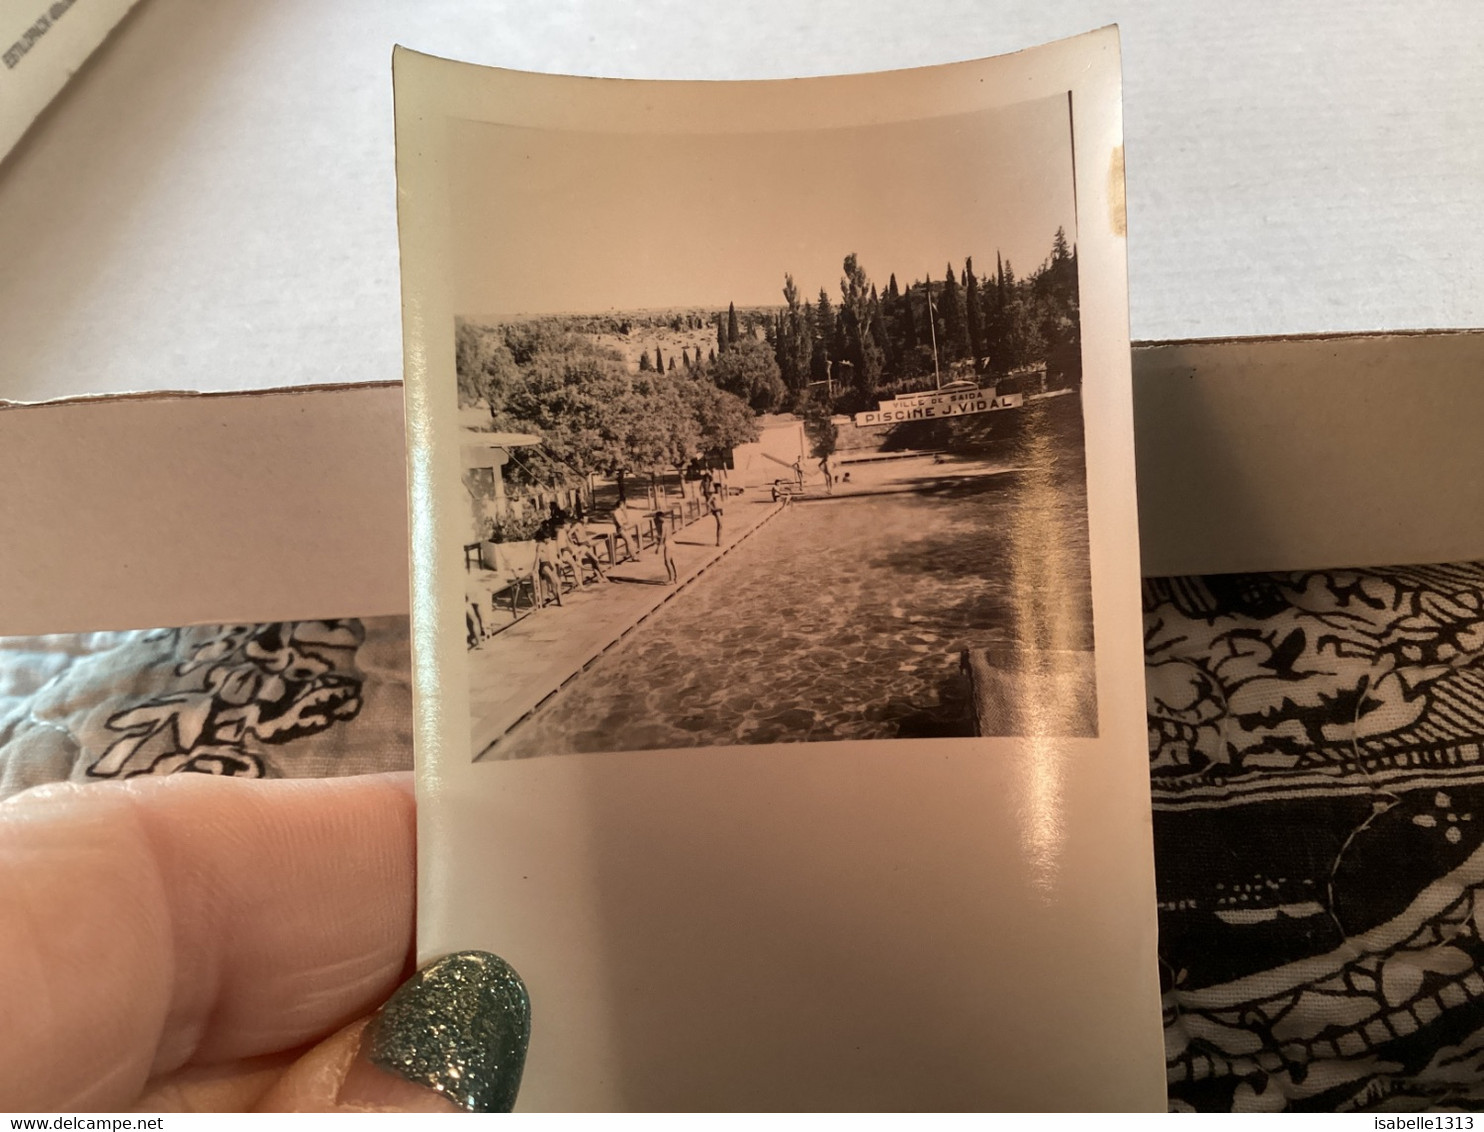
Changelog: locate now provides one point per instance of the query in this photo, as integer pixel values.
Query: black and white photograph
(772, 438)
(774, 562)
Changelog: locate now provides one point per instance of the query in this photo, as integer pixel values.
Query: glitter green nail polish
(461, 1026)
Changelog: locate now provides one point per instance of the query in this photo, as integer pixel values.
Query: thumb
(452, 1037)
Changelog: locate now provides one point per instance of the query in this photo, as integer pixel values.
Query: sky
(549, 221)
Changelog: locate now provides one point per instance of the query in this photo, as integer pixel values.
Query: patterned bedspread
(302, 699)
(1316, 748)
(1315, 755)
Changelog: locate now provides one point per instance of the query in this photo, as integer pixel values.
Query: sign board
(921, 407)
(956, 391)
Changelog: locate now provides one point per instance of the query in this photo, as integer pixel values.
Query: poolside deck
(515, 671)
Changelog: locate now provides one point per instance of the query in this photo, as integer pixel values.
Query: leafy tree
(724, 420)
(749, 371)
(822, 432)
(581, 400)
(666, 433)
(483, 364)
(645, 364)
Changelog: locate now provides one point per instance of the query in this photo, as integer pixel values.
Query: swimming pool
(841, 618)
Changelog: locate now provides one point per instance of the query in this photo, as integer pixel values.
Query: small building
(781, 441)
(484, 452)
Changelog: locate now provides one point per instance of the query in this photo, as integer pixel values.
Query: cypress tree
(932, 339)
(908, 323)
(824, 328)
(885, 347)
(858, 344)
(732, 334)
(974, 312)
(993, 298)
(803, 343)
(659, 361)
(1059, 249)
(955, 331)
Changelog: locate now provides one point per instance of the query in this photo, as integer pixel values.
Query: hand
(201, 944)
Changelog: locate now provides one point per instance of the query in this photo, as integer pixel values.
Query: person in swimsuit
(622, 523)
(473, 619)
(546, 563)
(662, 536)
(566, 550)
(714, 506)
(583, 549)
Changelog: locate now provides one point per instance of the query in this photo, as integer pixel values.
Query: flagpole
(933, 330)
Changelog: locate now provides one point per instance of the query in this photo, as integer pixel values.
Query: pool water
(839, 619)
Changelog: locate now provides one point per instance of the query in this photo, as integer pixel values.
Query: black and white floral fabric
(286, 699)
(1317, 758)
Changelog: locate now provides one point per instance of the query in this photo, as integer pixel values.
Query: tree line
(599, 416)
(960, 324)
(842, 356)
(594, 414)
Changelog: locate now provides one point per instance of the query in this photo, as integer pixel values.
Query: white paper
(42, 43)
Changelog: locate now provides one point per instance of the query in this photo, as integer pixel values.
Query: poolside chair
(633, 534)
(506, 568)
(596, 535)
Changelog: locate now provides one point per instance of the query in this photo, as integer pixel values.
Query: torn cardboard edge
(171, 394)
(162, 509)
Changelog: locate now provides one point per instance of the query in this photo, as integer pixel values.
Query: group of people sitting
(563, 544)
(567, 549)
(564, 550)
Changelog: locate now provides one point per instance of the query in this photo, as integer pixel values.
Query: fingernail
(460, 1026)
